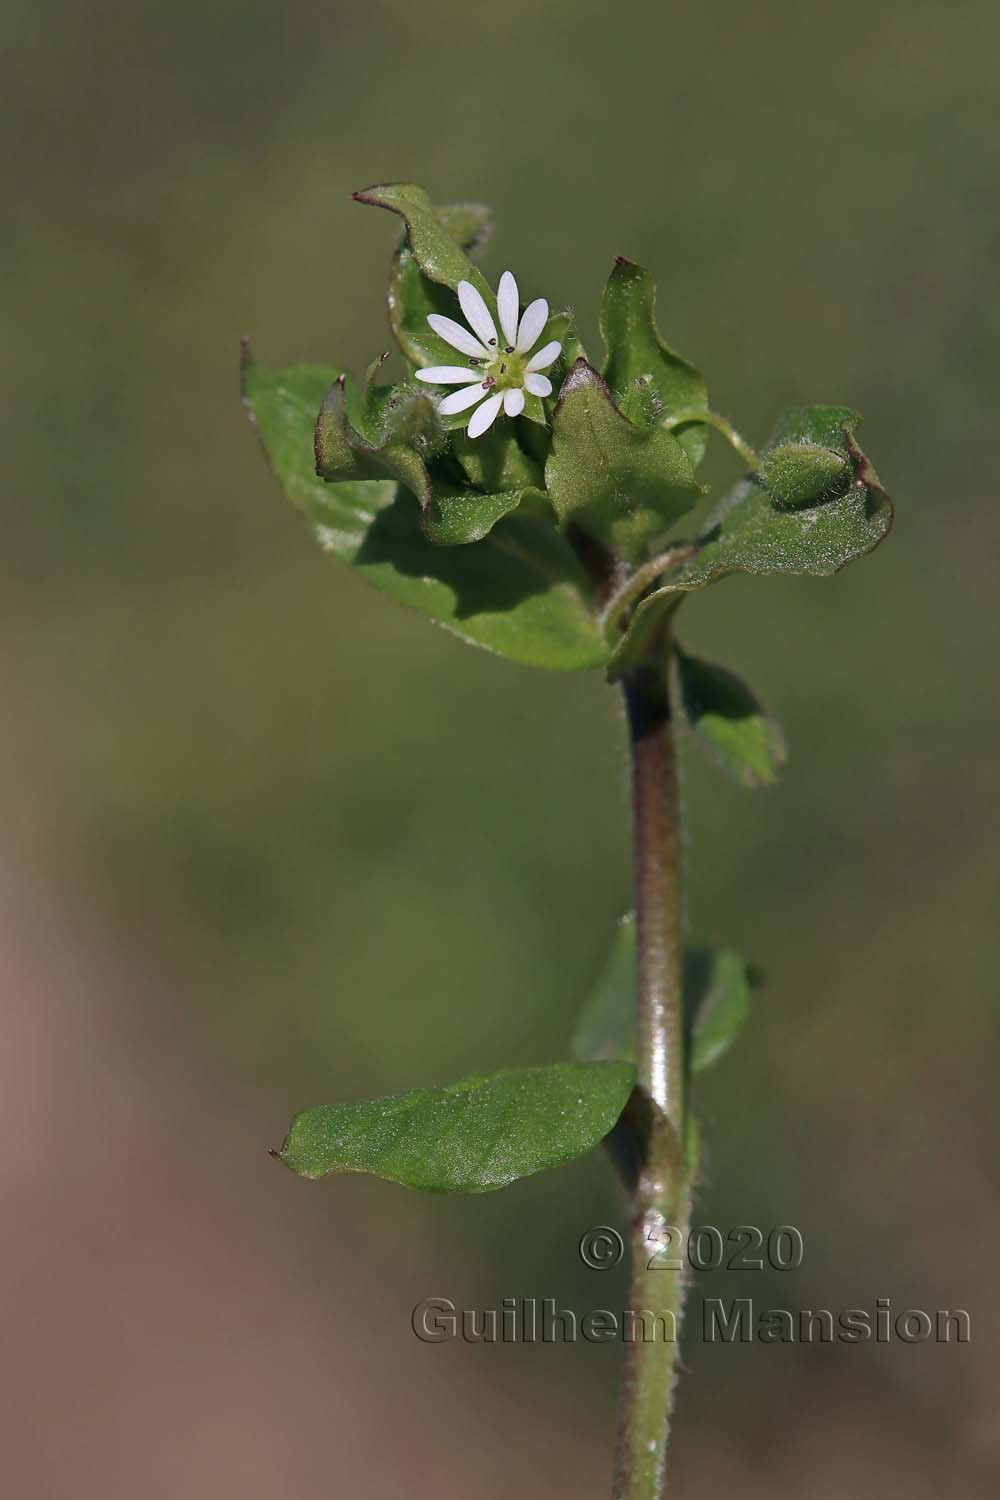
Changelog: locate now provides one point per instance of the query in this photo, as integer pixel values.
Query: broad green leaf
(716, 1001)
(623, 484)
(729, 721)
(467, 1137)
(748, 532)
(646, 377)
(520, 592)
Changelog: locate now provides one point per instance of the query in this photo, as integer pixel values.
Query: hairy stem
(637, 582)
(661, 1197)
(716, 420)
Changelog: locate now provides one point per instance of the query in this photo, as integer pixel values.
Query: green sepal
(650, 382)
(748, 532)
(496, 461)
(472, 1136)
(623, 484)
(729, 722)
(717, 987)
(521, 592)
(539, 409)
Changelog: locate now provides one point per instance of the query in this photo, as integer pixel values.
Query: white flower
(505, 370)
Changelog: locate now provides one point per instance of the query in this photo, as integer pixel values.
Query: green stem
(639, 581)
(661, 1197)
(713, 419)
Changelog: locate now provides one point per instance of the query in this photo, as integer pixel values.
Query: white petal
(538, 385)
(484, 416)
(546, 356)
(513, 403)
(536, 315)
(507, 306)
(477, 314)
(460, 400)
(458, 337)
(447, 375)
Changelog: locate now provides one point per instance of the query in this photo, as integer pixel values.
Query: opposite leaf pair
(485, 1132)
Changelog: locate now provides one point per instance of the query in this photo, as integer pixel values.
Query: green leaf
(456, 517)
(729, 721)
(623, 484)
(716, 1001)
(605, 1026)
(495, 461)
(467, 1137)
(717, 987)
(432, 238)
(748, 532)
(469, 224)
(520, 593)
(647, 378)
(428, 264)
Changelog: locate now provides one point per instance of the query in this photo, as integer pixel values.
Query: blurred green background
(269, 840)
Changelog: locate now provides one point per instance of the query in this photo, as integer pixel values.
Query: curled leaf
(436, 248)
(381, 442)
(748, 532)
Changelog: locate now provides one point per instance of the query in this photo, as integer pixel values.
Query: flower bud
(801, 473)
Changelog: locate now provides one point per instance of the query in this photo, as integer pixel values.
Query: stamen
(509, 349)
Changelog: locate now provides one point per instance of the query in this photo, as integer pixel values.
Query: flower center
(505, 369)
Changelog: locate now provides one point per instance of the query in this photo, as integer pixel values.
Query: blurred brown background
(269, 841)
